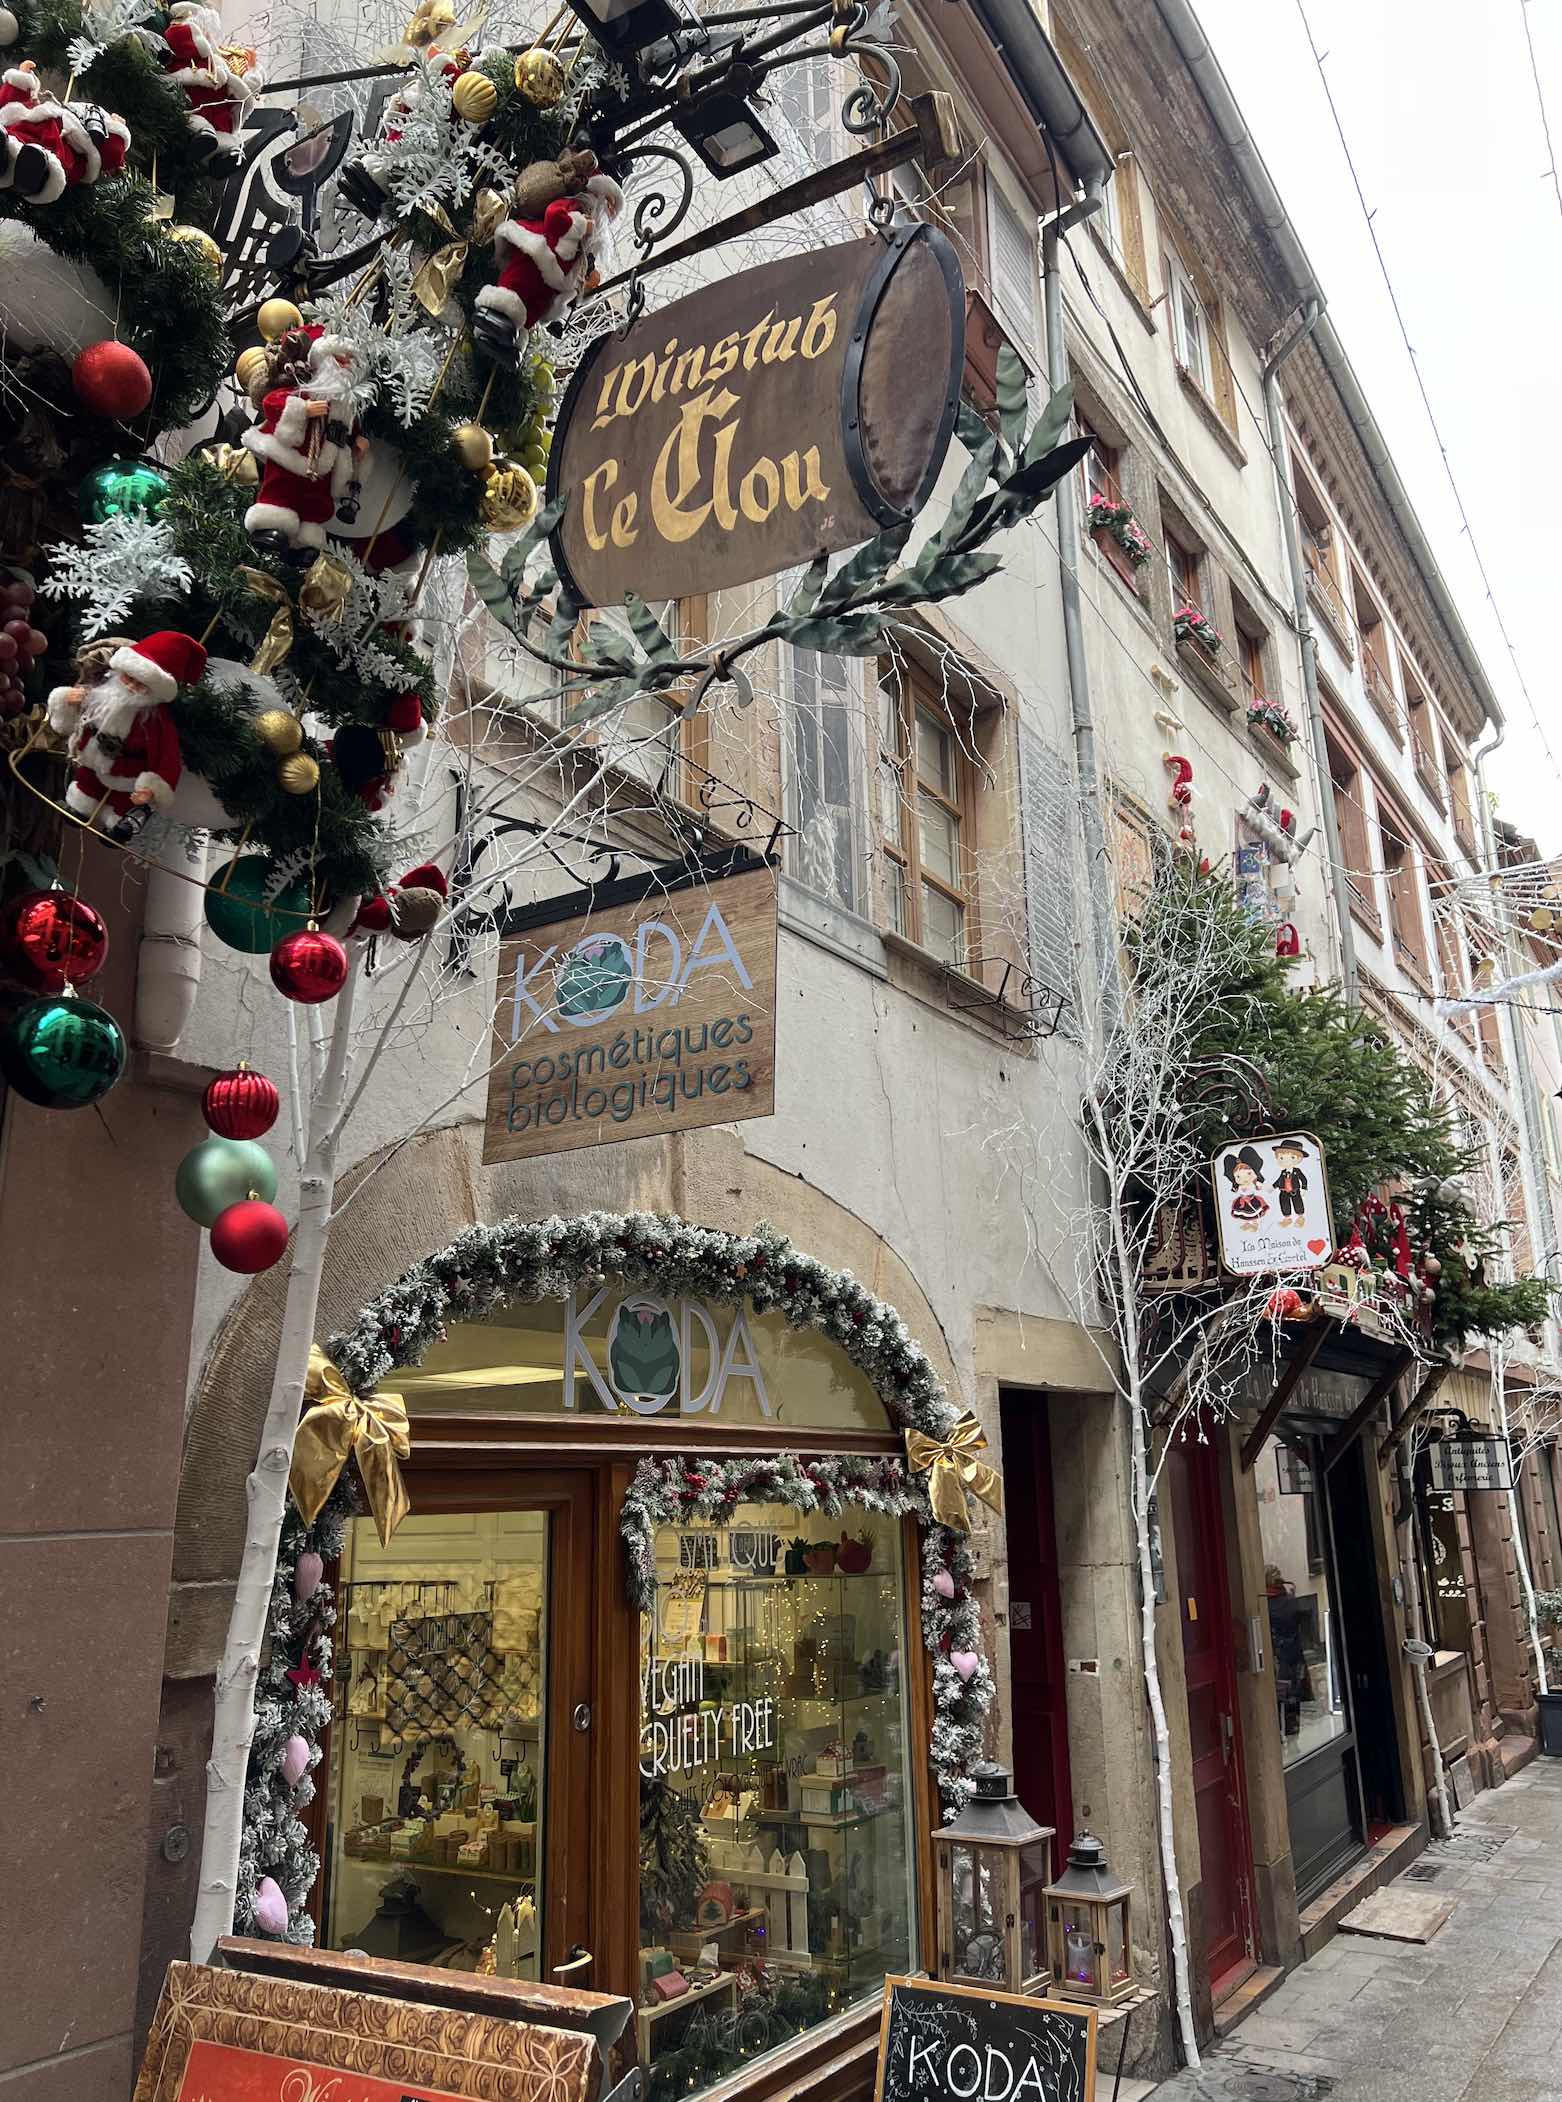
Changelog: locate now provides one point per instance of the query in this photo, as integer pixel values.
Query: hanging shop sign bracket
(933, 139)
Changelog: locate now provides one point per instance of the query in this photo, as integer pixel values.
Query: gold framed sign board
(774, 415)
(233, 2036)
(654, 1015)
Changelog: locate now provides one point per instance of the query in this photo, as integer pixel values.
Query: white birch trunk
(1177, 1926)
(1139, 1431)
(233, 1721)
(1409, 1549)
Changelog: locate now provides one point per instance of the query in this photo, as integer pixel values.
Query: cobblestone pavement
(1476, 2013)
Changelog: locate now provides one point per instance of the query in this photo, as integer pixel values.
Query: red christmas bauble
(249, 1236)
(309, 966)
(49, 939)
(112, 380)
(240, 1104)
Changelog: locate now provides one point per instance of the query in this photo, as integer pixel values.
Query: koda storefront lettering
(772, 416)
(657, 1016)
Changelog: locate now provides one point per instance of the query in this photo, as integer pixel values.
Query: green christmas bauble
(62, 1053)
(220, 1172)
(120, 487)
(239, 913)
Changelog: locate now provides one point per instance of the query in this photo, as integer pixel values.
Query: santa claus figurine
(308, 446)
(219, 79)
(546, 249)
(47, 146)
(122, 743)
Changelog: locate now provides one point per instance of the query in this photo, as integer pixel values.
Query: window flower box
(1120, 538)
(1273, 731)
(1202, 650)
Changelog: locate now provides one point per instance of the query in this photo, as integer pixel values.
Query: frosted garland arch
(487, 1267)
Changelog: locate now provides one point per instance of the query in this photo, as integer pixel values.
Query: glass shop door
(458, 1770)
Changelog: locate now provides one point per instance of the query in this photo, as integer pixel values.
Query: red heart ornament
(1316, 1247)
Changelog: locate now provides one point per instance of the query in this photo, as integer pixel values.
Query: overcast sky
(1439, 110)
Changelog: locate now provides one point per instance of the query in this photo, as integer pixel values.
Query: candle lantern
(993, 1864)
(1087, 1927)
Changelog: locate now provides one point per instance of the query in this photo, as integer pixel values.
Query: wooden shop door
(1036, 1661)
(1229, 1952)
(469, 1660)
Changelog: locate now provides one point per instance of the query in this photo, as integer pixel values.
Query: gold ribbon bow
(955, 1470)
(434, 281)
(278, 638)
(327, 586)
(342, 1426)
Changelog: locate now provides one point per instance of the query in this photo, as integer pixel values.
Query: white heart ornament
(943, 1583)
(965, 1662)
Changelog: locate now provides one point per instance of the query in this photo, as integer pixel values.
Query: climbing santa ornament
(310, 449)
(121, 740)
(219, 80)
(546, 249)
(47, 146)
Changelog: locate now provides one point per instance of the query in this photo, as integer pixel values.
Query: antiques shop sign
(774, 415)
(1469, 1463)
(636, 1020)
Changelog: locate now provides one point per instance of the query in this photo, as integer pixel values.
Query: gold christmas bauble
(250, 366)
(1542, 919)
(540, 78)
(298, 776)
(473, 447)
(276, 317)
(429, 22)
(279, 731)
(474, 98)
(510, 497)
(200, 240)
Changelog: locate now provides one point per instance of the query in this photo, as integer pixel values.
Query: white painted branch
(233, 1722)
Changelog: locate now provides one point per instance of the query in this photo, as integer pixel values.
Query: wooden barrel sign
(772, 416)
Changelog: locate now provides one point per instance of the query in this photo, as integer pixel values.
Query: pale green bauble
(220, 1172)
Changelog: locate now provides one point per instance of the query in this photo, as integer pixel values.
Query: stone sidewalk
(1473, 2016)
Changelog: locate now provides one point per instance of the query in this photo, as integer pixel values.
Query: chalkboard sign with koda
(958, 2043)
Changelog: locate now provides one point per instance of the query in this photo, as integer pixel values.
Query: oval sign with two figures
(772, 416)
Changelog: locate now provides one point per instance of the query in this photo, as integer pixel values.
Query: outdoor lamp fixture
(724, 132)
(625, 26)
(1087, 1927)
(993, 1861)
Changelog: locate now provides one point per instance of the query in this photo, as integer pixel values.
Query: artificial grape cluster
(21, 644)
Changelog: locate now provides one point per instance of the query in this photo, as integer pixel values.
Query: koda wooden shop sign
(770, 417)
(648, 1014)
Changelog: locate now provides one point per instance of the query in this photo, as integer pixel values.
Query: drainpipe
(1087, 770)
(1308, 642)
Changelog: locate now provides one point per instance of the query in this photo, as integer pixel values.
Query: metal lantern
(994, 1861)
(1088, 1939)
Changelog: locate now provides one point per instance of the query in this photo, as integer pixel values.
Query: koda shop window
(777, 1863)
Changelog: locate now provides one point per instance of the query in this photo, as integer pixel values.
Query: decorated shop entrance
(656, 1687)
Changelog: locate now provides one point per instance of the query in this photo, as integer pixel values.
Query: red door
(1214, 1725)
(1041, 1779)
